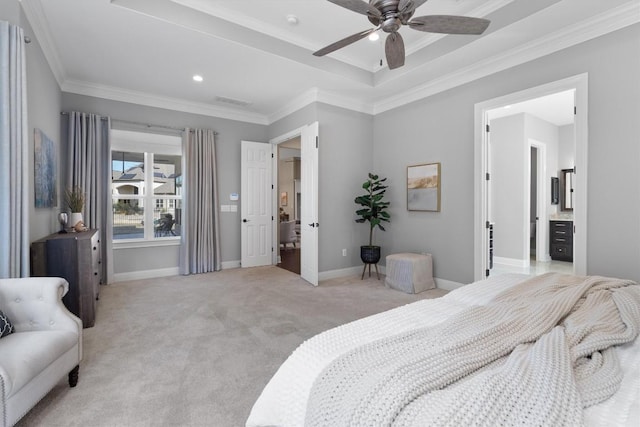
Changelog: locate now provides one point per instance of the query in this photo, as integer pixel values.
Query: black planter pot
(370, 254)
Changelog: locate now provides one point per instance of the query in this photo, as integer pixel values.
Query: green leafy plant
(74, 198)
(373, 206)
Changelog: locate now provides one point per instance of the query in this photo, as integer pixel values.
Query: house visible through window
(146, 186)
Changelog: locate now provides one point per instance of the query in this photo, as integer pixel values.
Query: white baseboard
(511, 262)
(343, 272)
(447, 285)
(146, 274)
(230, 264)
(162, 272)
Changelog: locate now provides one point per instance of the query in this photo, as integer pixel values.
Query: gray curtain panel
(200, 249)
(89, 151)
(14, 143)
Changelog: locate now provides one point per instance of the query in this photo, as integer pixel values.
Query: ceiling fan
(390, 15)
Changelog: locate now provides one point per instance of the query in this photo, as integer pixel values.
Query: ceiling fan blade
(418, 3)
(448, 24)
(394, 50)
(405, 5)
(344, 42)
(358, 6)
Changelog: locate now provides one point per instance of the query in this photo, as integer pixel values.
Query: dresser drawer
(561, 252)
(561, 226)
(561, 240)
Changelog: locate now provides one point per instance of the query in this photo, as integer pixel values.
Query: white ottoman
(410, 273)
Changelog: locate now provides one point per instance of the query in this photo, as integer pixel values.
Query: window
(146, 186)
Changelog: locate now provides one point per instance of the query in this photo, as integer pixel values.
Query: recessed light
(292, 19)
(374, 36)
(198, 78)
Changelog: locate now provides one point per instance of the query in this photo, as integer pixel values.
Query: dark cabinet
(561, 240)
(76, 258)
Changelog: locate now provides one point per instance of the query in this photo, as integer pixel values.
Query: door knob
(245, 220)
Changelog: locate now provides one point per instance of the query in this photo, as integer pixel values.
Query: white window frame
(147, 144)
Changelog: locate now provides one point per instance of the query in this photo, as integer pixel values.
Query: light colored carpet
(198, 350)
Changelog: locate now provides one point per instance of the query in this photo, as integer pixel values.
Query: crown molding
(150, 100)
(36, 17)
(317, 95)
(615, 19)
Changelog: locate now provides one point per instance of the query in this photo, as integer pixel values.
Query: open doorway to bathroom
(531, 142)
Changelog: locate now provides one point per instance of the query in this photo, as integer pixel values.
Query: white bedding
(283, 401)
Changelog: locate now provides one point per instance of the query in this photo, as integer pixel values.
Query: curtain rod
(64, 113)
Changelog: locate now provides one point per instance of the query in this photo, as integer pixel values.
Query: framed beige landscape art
(423, 187)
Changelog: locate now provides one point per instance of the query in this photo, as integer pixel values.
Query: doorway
(306, 205)
(289, 209)
(488, 182)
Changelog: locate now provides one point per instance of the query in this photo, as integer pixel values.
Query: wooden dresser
(561, 240)
(76, 258)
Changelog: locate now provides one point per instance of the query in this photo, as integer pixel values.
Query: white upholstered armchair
(45, 346)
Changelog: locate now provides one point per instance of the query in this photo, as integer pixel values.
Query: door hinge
(272, 186)
(271, 217)
(487, 128)
(272, 155)
(486, 273)
(488, 176)
(575, 110)
(316, 142)
(487, 224)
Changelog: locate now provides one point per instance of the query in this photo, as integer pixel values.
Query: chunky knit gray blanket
(536, 355)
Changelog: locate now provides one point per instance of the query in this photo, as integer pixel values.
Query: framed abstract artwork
(45, 171)
(423, 187)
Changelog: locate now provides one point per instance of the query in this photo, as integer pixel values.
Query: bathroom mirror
(566, 200)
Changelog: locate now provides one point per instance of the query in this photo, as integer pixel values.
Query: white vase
(74, 218)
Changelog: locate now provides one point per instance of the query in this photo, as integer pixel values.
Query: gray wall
(43, 105)
(440, 128)
(230, 133)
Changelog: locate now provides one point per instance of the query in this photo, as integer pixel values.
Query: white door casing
(255, 204)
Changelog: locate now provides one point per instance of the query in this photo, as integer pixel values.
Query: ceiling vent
(235, 102)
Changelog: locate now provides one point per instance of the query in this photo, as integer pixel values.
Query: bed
(381, 370)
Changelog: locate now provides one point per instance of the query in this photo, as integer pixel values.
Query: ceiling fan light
(374, 37)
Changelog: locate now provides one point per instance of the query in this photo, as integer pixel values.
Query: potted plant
(74, 199)
(374, 212)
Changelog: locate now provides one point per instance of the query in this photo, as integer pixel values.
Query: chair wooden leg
(363, 271)
(73, 376)
(377, 274)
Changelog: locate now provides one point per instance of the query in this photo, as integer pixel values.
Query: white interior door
(256, 196)
(309, 210)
